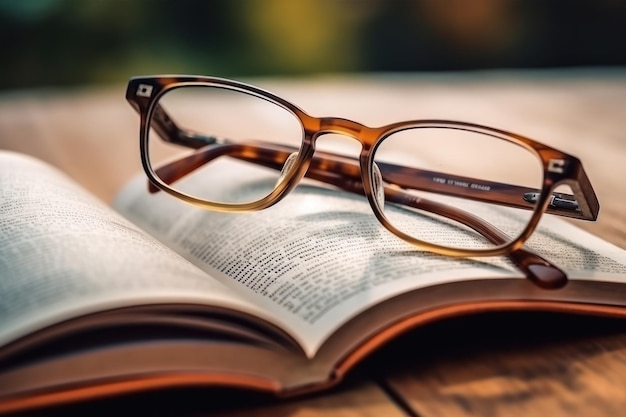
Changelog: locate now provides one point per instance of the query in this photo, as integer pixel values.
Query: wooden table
(512, 364)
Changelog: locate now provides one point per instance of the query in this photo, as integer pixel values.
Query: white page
(320, 257)
(63, 253)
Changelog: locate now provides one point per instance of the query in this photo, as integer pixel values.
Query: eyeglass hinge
(557, 200)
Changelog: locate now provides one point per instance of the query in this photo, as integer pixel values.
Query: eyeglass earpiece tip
(547, 276)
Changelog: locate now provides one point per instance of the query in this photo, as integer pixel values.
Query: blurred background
(57, 43)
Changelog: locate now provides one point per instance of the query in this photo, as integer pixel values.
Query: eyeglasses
(451, 188)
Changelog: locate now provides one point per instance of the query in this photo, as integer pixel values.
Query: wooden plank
(364, 399)
(93, 136)
(354, 399)
(583, 373)
(560, 369)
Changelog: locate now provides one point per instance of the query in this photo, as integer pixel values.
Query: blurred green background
(77, 42)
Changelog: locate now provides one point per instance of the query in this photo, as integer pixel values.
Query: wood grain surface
(510, 365)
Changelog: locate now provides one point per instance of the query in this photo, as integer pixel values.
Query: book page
(63, 253)
(319, 257)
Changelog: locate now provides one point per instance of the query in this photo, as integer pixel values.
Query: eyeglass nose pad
(377, 186)
(289, 163)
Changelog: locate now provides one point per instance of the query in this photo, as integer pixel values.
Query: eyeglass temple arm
(348, 178)
(470, 188)
(169, 130)
(537, 269)
(418, 179)
(582, 205)
(492, 192)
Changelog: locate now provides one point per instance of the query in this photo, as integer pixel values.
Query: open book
(155, 293)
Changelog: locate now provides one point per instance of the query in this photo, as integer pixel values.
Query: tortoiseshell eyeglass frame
(357, 174)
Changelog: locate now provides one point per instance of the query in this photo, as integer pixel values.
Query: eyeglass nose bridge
(365, 135)
(372, 183)
(336, 125)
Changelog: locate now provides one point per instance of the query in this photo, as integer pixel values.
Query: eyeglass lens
(438, 164)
